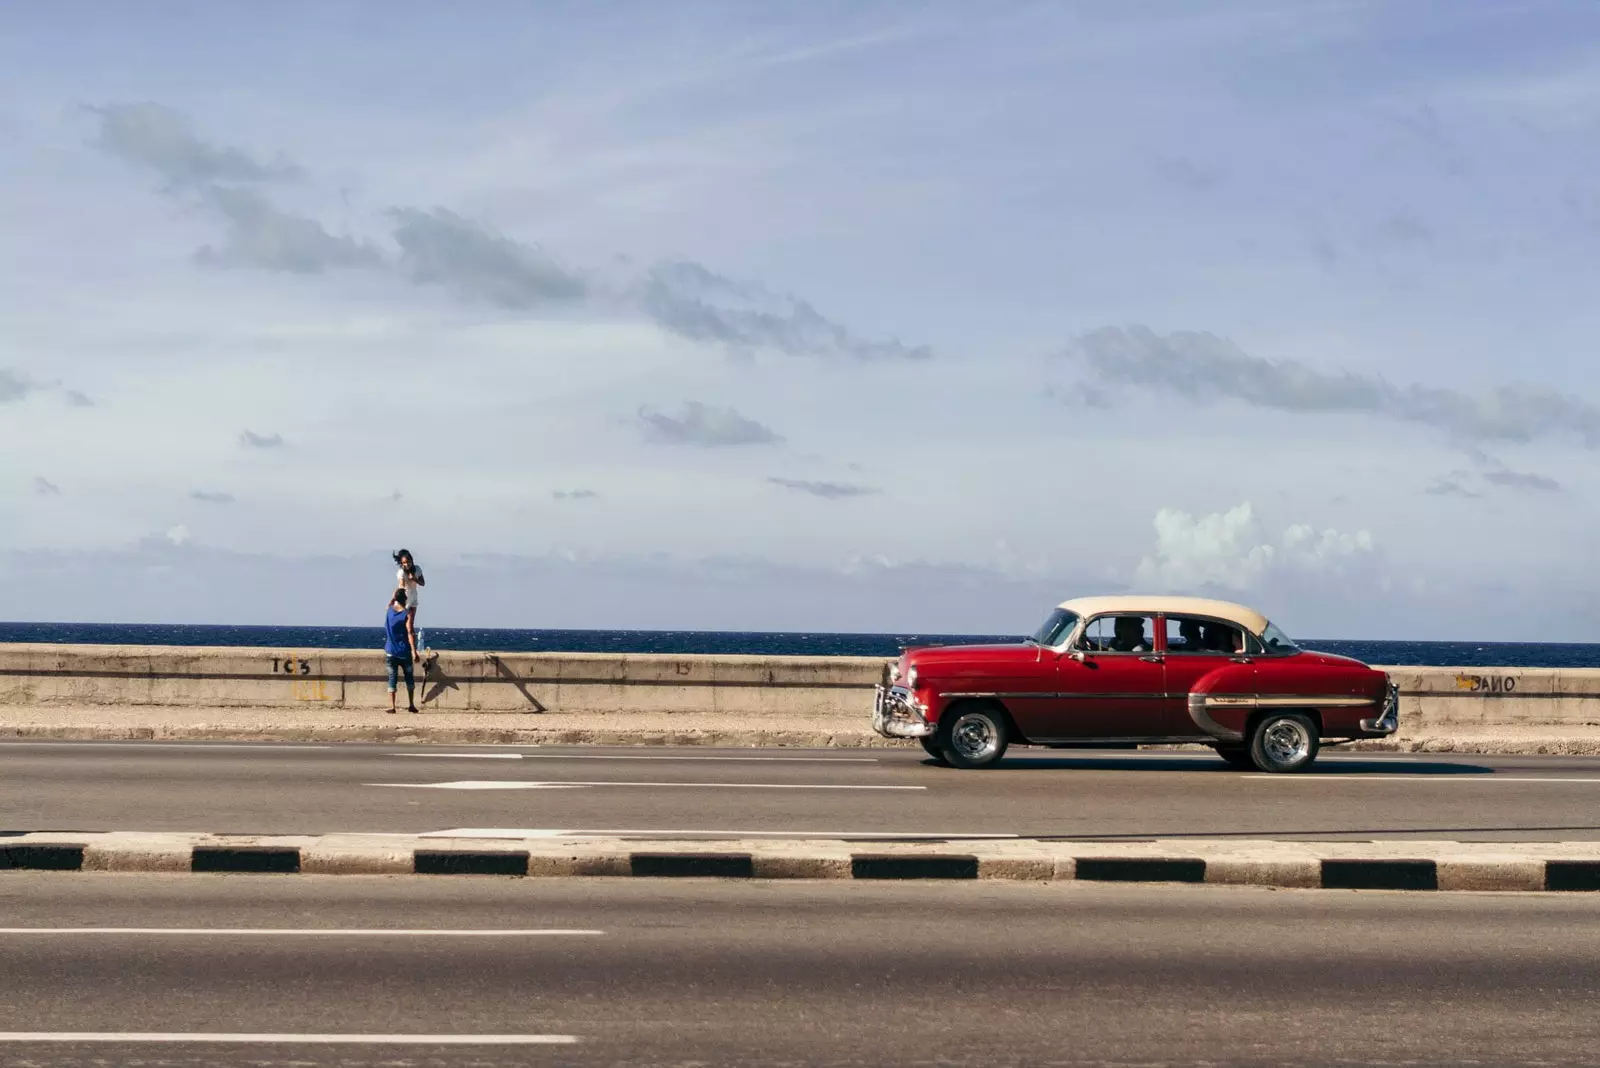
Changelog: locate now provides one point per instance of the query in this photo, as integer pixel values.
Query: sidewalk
(314, 723)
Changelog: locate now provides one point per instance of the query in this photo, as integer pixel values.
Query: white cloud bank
(1233, 551)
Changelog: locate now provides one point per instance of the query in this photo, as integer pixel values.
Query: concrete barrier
(573, 683)
(78, 675)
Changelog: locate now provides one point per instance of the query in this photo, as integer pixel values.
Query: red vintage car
(1145, 670)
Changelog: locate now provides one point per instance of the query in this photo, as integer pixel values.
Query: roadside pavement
(314, 723)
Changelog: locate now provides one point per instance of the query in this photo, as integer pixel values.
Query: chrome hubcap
(974, 737)
(1286, 742)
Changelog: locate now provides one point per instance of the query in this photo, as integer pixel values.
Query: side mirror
(1077, 654)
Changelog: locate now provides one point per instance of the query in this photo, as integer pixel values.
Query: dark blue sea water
(1442, 654)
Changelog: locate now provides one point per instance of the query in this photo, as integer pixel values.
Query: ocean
(1430, 654)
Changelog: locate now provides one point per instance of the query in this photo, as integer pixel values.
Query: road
(288, 789)
(789, 973)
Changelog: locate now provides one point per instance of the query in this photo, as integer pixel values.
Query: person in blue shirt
(400, 646)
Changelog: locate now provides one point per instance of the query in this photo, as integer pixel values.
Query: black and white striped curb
(1571, 866)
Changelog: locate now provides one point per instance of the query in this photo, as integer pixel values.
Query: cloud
(79, 399)
(1522, 480)
(697, 424)
(698, 304)
(210, 497)
(154, 136)
(250, 439)
(1203, 367)
(261, 236)
(1232, 551)
(1452, 485)
(45, 488)
(827, 490)
(178, 535)
(1187, 174)
(13, 387)
(442, 248)
(1404, 228)
(575, 495)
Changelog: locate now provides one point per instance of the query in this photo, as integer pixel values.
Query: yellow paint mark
(310, 690)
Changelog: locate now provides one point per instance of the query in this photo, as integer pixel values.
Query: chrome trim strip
(1202, 719)
(1037, 694)
(1090, 742)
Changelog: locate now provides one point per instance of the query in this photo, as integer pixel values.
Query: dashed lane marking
(545, 832)
(271, 1038)
(517, 784)
(275, 932)
(604, 756)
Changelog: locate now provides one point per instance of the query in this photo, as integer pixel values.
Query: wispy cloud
(1522, 480)
(261, 236)
(441, 247)
(827, 490)
(1204, 367)
(45, 488)
(699, 304)
(211, 496)
(437, 246)
(697, 424)
(1453, 485)
(575, 495)
(250, 439)
(13, 387)
(154, 136)
(1185, 173)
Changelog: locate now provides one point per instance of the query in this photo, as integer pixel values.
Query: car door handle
(1151, 659)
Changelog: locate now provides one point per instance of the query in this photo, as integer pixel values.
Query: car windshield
(1054, 630)
(1277, 641)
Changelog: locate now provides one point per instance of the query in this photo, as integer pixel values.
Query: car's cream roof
(1248, 618)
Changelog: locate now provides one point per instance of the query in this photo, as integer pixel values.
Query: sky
(802, 316)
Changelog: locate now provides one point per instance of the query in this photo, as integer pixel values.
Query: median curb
(1447, 866)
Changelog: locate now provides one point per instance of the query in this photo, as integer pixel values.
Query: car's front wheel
(931, 747)
(973, 736)
(1284, 741)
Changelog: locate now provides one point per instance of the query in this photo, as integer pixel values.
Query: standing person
(400, 646)
(408, 578)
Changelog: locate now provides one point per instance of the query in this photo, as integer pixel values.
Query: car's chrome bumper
(896, 714)
(1387, 721)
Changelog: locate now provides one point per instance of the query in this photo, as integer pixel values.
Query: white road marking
(541, 832)
(269, 1038)
(516, 784)
(363, 932)
(165, 745)
(603, 756)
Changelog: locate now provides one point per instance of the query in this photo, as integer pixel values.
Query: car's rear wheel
(1237, 756)
(931, 747)
(1284, 741)
(974, 736)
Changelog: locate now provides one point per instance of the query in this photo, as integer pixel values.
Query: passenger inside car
(1129, 636)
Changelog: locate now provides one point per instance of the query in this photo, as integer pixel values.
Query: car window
(1119, 634)
(1054, 630)
(1277, 641)
(1191, 635)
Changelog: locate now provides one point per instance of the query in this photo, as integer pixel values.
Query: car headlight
(911, 679)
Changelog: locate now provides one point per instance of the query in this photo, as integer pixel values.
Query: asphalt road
(788, 973)
(278, 789)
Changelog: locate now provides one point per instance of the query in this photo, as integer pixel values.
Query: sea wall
(533, 683)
